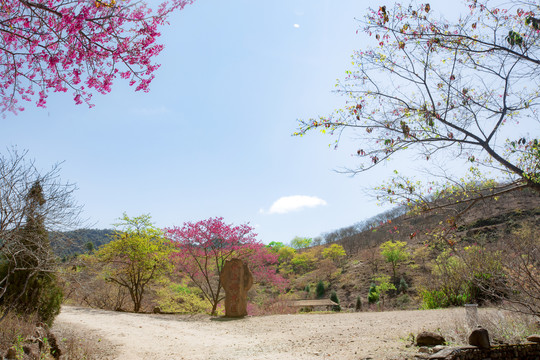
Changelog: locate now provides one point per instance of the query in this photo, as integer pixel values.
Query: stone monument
(236, 280)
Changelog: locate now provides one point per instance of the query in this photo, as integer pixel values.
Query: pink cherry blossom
(79, 46)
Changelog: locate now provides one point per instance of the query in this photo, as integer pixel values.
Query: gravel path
(367, 335)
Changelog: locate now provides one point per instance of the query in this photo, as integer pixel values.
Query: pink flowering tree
(76, 46)
(435, 90)
(203, 247)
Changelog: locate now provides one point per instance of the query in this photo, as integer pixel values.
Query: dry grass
(15, 329)
(504, 327)
(77, 348)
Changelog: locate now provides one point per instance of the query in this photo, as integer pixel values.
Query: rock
(427, 338)
(443, 354)
(32, 350)
(425, 350)
(480, 338)
(534, 338)
(438, 348)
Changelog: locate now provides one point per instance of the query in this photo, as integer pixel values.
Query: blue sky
(213, 136)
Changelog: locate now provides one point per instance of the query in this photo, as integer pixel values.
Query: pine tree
(32, 286)
(358, 306)
(320, 290)
(373, 295)
(335, 299)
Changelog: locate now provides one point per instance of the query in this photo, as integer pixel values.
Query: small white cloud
(287, 204)
(296, 26)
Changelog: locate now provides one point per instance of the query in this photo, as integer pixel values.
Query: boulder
(439, 348)
(534, 338)
(427, 338)
(480, 338)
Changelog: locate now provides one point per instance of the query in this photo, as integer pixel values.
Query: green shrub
(50, 299)
(402, 301)
(435, 299)
(334, 298)
(40, 294)
(373, 295)
(358, 305)
(403, 286)
(320, 290)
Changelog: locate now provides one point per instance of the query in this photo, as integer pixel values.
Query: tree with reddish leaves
(77, 46)
(203, 247)
(441, 91)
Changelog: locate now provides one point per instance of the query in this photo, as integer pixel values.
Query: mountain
(79, 241)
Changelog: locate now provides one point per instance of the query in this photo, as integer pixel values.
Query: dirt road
(367, 335)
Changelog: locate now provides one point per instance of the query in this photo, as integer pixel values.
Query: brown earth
(364, 335)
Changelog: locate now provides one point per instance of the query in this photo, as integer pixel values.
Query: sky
(213, 137)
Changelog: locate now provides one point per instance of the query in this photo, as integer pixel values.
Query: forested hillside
(79, 241)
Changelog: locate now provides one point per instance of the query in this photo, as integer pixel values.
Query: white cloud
(287, 204)
(296, 26)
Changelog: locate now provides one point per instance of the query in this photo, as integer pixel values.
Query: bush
(49, 299)
(335, 299)
(403, 286)
(179, 298)
(320, 290)
(373, 295)
(435, 299)
(42, 295)
(358, 305)
(403, 301)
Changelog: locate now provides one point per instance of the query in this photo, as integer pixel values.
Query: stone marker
(479, 337)
(427, 338)
(237, 280)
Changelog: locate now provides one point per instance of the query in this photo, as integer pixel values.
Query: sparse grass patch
(13, 328)
(504, 327)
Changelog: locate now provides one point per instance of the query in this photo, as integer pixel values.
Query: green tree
(451, 93)
(89, 247)
(286, 253)
(394, 253)
(403, 286)
(383, 286)
(32, 286)
(320, 289)
(301, 242)
(32, 204)
(334, 298)
(303, 262)
(275, 246)
(358, 305)
(373, 295)
(335, 252)
(137, 255)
